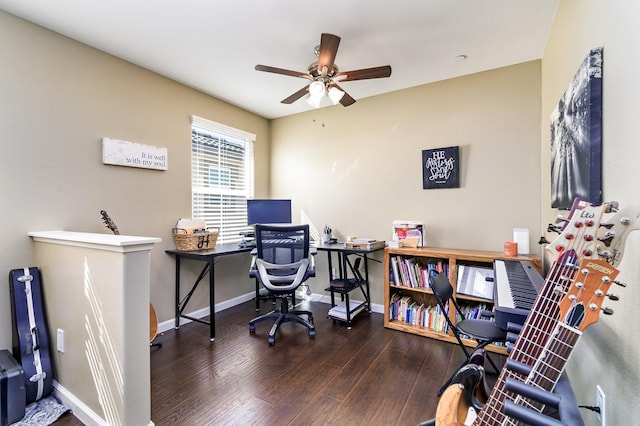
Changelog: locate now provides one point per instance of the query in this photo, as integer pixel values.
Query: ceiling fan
(324, 75)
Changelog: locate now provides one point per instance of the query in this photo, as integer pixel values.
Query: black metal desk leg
(177, 324)
(212, 303)
(366, 278)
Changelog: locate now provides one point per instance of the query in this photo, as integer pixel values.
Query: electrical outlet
(60, 340)
(600, 402)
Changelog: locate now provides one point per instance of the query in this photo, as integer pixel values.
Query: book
(396, 274)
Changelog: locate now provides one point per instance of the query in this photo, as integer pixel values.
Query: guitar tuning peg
(609, 236)
(561, 219)
(612, 207)
(607, 225)
(607, 311)
(619, 283)
(613, 297)
(543, 240)
(554, 228)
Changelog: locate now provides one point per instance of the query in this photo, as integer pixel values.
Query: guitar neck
(535, 333)
(549, 367)
(578, 308)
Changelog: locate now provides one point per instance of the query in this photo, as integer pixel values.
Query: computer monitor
(268, 211)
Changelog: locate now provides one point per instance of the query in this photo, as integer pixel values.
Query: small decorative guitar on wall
(153, 317)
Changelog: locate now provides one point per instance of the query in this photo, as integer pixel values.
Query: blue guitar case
(30, 332)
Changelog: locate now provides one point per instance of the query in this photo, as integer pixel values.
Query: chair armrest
(312, 260)
(253, 270)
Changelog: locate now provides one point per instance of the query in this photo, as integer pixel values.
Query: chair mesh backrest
(282, 244)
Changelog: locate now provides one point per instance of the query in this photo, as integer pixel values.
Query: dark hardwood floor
(366, 375)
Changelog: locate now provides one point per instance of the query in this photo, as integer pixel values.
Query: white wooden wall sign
(130, 154)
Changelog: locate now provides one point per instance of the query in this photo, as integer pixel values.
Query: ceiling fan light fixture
(316, 93)
(335, 95)
(323, 75)
(315, 101)
(316, 88)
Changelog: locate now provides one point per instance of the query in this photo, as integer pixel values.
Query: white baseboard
(204, 312)
(80, 410)
(201, 313)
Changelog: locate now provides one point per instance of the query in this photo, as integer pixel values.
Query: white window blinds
(221, 176)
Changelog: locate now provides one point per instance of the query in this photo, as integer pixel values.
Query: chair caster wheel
(252, 328)
(312, 334)
(272, 341)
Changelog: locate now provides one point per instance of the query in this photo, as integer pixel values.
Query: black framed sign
(440, 168)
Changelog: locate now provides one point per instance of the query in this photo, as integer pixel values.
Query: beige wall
(356, 168)
(359, 168)
(58, 98)
(609, 352)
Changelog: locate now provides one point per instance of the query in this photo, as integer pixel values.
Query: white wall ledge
(110, 242)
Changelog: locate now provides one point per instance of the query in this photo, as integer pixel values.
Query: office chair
(484, 332)
(282, 262)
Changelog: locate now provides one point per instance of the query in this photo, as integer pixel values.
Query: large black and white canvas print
(576, 133)
(440, 168)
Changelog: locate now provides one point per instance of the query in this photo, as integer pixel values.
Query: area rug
(43, 412)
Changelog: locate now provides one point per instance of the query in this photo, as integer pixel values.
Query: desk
(344, 267)
(208, 256)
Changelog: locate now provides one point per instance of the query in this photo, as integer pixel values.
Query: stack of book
(364, 244)
(408, 272)
(406, 310)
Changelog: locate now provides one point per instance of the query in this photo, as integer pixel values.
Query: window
(221, 177)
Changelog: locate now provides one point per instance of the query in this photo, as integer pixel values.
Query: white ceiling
(213, 45)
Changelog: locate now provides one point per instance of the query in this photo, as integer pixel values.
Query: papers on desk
(191, 226)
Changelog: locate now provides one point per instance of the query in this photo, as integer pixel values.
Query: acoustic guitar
(601, 246)
(153, 317)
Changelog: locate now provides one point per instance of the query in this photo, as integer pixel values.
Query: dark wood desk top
(218, 250)
(341, 248)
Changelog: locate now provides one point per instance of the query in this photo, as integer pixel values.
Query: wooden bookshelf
(448, 258)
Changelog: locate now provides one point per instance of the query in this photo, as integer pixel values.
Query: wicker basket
(196, 241)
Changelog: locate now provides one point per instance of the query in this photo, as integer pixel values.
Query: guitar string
(553, 359)
(560, 349)
(524, 344)
(493, 410)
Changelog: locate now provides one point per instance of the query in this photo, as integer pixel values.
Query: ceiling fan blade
(364, 74)
(300, 93)
(327, 54)
(346, 99)
(267, 68)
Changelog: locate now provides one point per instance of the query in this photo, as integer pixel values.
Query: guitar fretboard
(532, 339)
(575, 241)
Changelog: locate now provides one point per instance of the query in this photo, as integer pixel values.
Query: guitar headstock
(108, 223)
(579, 235)
(612, 236)
(581, 306)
